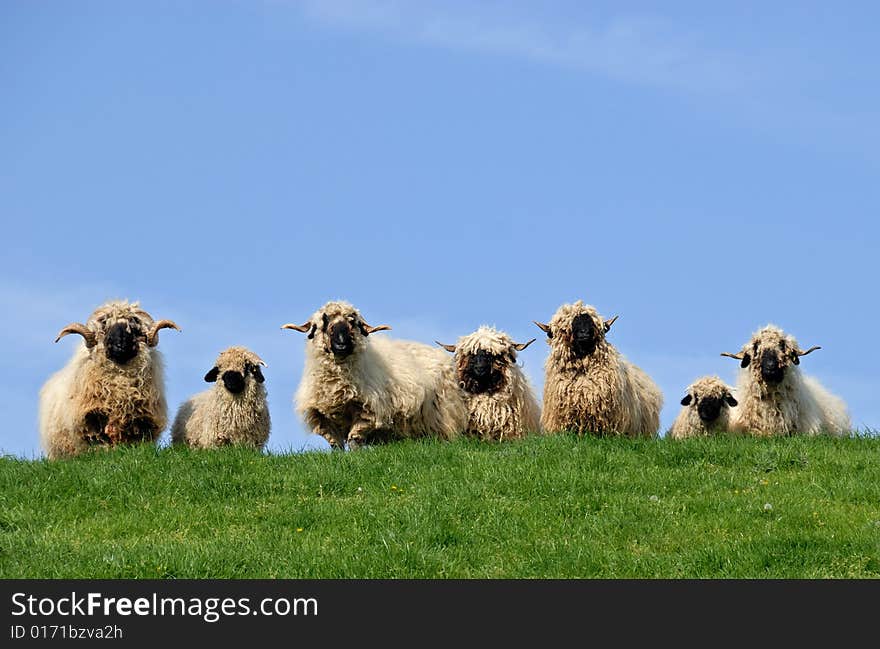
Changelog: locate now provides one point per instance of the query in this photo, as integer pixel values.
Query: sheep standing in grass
(234, 411)
(501, 403)
(707, 409)
(775, 398)
(357, 390)
(112, 389)
(589, 387)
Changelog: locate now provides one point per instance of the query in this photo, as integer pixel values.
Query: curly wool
(128, 395)
(688, 422)
(797, 405)
(512, 410)
(385, 390)
(601, 393)
(217, 417)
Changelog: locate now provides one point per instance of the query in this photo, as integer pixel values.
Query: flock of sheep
(359, 389)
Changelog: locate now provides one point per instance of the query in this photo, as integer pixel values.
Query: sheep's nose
(120, 343)
(233, 381)
(770, 368)
(341, 343)
(709, 409)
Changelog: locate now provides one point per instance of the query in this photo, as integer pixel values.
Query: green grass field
(544, 507)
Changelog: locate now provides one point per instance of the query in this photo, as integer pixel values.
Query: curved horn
(610, 322)
(809, 351)
(449, 348)
(368, 329)
(738, 356)
(521, 346)
(300, 328)
(544, 327)
(153, 335)
(82, 330)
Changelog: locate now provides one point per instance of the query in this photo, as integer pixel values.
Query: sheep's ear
(544, 327)
(212, 374)
(449, 348)
(731, 401)
(257, 373)
(610, 322)
(743, 357)
(687, 400)
(746, 359)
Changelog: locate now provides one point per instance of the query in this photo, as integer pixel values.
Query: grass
(557, 506)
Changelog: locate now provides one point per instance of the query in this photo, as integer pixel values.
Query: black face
(709, 408)
(584, 336)
(772, 370)
(480, 374)
(233, 381)
(341, 342)
(120, 343)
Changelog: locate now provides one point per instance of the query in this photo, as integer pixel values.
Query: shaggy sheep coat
(690, 423)
(798, 404)
(234, 411)
(601, 392)
(383, 390)
(508, 409)
(96, 401)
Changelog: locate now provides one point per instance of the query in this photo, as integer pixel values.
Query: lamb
(112, 389)
(775, 397)
(589, 387)
(707, 409)
(358, 390)
(233, 412)
(501, 403)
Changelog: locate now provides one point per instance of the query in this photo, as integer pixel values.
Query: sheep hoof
(355, 443)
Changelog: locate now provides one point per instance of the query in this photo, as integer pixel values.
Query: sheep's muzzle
(121, 344)
(480, 373)
(709, 408)
(584, 336)
(233, 381)
(772, 371)
(341, 342)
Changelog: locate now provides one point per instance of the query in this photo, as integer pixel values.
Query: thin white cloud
(635, 49)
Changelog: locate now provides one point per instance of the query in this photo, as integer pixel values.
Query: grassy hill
(544, 507)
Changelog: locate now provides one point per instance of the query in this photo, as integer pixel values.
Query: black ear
(731, 401)
(211, 376)
(257, 373)
(686, 401)
(795, 359)
(746, 360)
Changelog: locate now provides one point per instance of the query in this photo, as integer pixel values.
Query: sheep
(775, 397)
(501, 403)
(708, 408)
(357, 390)
(112, 389)
(234, 411)
(589, 386)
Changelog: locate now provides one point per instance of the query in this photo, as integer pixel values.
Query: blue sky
(699, 170)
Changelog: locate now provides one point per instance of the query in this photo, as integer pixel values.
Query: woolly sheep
(501, 403)
(589, 386)
(357, 390)
(112, 389)
(233, 411)
(706, 410)
(775, 398)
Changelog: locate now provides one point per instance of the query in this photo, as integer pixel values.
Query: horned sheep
(233, 412)
(775, 398)
(501, 403)
(112, 389)
(707, 409)
(357, 390)
(590, 387)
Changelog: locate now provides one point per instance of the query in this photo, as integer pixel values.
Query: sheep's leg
(141, 429)
(95, 425)
(322, 426)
